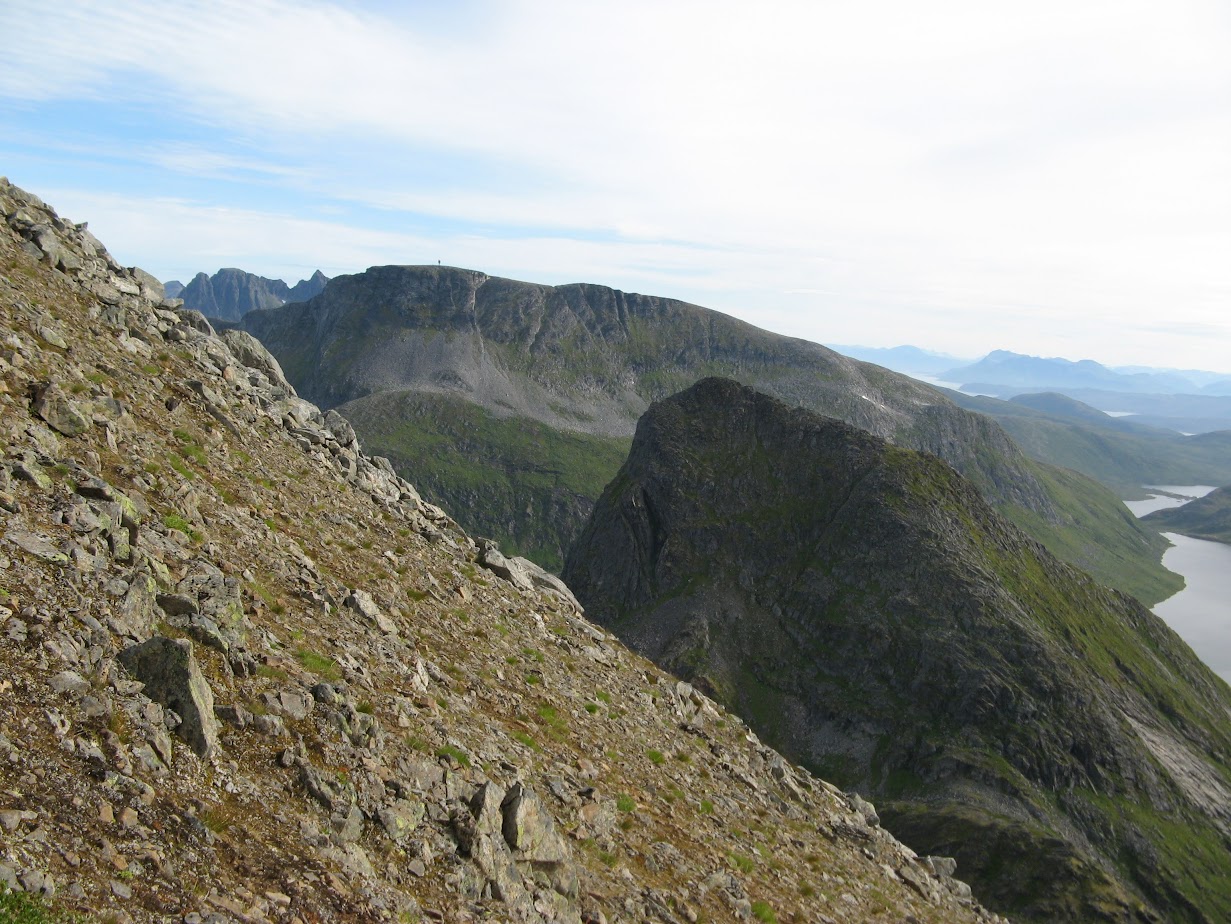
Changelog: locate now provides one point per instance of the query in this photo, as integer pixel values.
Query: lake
(1201, 612)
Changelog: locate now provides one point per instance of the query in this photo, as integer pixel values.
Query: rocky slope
(584, 359)
(231, 293)
(1206, 517)
(248, 675)
(871, 615)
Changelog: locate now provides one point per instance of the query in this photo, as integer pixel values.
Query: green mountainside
(1206, 517)
(1121, 454)
(570, 363)
(870, 614)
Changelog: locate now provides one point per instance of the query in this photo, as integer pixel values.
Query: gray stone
(361, 602)
(59, 411)
(151, 288)
(69, 682)
(528, 827)
(340, 427)
(171, 677)
(38, 546)
(347, 824)
(249, 351)
(402, 818)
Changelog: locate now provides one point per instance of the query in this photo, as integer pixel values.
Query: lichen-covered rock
(171, 677)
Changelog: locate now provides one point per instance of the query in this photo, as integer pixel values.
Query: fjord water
(1201, 612)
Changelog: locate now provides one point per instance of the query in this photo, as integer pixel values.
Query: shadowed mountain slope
(588, 360)
(866, 611)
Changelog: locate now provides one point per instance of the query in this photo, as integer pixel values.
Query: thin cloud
(868, 164)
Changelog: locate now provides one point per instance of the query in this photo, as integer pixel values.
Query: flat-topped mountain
(231, 293)
(865, 609)
(424, 358)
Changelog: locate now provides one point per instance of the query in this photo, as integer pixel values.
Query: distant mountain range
(1003, 367)
(231, 293)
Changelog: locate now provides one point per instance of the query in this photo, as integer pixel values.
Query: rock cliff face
(247, 674)
(231, 293)
(587, 360)
(868, 613)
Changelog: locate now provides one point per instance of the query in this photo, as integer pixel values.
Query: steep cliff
(867, 612)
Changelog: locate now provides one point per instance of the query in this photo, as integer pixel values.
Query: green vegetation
(656, 757)
(488, 471)
(764, 913)
(321, 665)
(625, 803)
(455, 754)
(24, 908)
(1119, 454)
(526, 739)
(742, 863)
(1206, 517)
(178, 523)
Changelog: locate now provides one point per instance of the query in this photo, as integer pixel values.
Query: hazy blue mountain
(1004, 368)
(905, 359)
(173, 288)
(231, 293)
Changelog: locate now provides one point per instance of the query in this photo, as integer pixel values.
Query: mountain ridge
(589, 359)
(231, 293)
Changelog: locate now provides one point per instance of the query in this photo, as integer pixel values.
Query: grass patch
(525, 739)
(319, 664)
(625, 803)
(763, 913)
(656, 757)
(454, 753)
(742, 863)
(178, 523)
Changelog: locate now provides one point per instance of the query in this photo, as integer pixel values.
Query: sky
(1052, 178)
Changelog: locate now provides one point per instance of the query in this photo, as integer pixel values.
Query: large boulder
(171, 676)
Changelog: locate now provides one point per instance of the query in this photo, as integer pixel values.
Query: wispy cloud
(961, 175)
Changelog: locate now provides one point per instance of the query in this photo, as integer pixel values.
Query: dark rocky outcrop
(171, 677)
(231, 293)
(868, 613)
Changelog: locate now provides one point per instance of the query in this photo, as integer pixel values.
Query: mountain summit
(868, 613)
